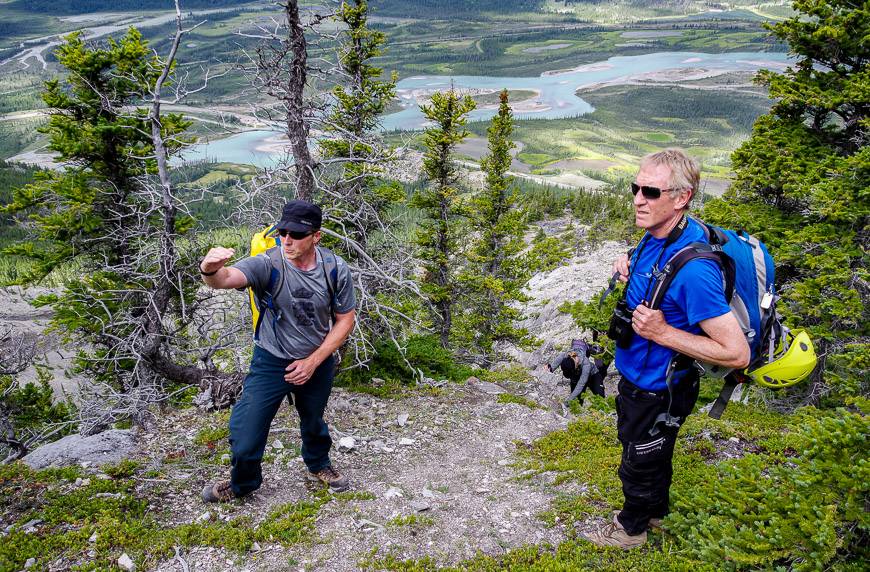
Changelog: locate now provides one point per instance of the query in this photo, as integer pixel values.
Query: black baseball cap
(300, 216)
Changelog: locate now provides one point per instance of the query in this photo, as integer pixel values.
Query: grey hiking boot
(221, 491)
(612, 534)
(332, 478)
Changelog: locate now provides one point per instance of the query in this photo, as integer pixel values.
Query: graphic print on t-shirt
(303, 307)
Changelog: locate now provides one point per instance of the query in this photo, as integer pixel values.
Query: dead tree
(342, 176)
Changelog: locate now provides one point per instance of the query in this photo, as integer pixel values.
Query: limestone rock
(346, 443)
(485, 386)
(108, 447)
(126, 563)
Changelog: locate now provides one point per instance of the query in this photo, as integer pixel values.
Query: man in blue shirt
(694, 323)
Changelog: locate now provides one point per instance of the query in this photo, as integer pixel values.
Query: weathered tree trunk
(297, 126)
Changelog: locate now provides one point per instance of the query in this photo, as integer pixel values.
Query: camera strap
(673, 237)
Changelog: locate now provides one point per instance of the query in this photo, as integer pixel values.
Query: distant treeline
(12, 176)
(65, 7)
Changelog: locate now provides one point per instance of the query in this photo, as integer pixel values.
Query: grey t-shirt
(302, 300)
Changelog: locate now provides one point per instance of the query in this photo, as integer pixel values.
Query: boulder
(108, 447)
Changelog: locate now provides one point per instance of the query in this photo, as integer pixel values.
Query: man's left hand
(649, 324)
(300, 371)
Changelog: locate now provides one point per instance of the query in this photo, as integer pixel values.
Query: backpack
(266, 240)
(748, 272)
(580, 346)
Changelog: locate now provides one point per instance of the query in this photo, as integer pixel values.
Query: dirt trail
(452, 464)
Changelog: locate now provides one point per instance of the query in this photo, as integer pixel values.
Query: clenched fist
(648, 323)
(621, 266)
(216, 258)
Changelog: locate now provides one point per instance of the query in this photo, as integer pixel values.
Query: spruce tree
(110, 223)
(495, 272)
(352, 146)
(440, 204)
(803, 183)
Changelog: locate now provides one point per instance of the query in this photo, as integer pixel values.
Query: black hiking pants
(595, 384)
(646, 468)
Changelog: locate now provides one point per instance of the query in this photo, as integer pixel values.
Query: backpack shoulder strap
(681, 258)
(330, 271)
(267, 298)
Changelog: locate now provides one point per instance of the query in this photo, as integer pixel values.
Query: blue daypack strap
(267, 301)
(330, 273)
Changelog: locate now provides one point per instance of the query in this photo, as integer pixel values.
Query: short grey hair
(685, 170)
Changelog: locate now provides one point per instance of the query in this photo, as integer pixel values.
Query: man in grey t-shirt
(307, 310)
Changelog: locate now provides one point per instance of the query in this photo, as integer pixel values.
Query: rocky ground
(446, 459)
(436, 471)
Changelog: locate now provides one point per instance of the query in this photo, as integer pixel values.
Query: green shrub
(808, 513)
(422, 352)
(123, 470)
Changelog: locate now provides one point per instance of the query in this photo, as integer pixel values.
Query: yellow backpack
(262, 242)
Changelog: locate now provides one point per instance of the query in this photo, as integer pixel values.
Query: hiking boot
(612, 534)
(655, 524)
(332, 478)
(221, 491)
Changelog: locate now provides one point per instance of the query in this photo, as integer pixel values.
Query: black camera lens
(620, 329)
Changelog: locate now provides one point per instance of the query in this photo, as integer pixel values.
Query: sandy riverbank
(421, 96)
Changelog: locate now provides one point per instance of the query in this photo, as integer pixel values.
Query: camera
(620, 329)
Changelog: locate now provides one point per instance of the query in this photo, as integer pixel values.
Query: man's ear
(684, 199)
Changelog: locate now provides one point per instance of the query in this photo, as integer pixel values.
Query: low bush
(808, 512)
(424, 353)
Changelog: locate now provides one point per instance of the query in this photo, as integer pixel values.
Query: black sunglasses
(648, 192)
(294, 234)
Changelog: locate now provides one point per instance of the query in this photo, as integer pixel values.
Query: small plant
(519, 399)
(211, 436)
(123, 470)
(411, 520)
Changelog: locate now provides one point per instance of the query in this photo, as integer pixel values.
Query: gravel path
(452, 464)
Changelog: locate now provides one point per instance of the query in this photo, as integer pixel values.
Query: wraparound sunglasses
(648, 192)
(294, 234)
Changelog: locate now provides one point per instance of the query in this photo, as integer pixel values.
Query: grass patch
(123, 521)
(513, 373)
(411, 521)
(519, 399)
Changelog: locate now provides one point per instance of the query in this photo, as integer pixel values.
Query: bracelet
(208, 273)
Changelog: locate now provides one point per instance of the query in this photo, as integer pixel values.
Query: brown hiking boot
(329, 476)
(612, 534)
(655, 524)
(221, 491)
